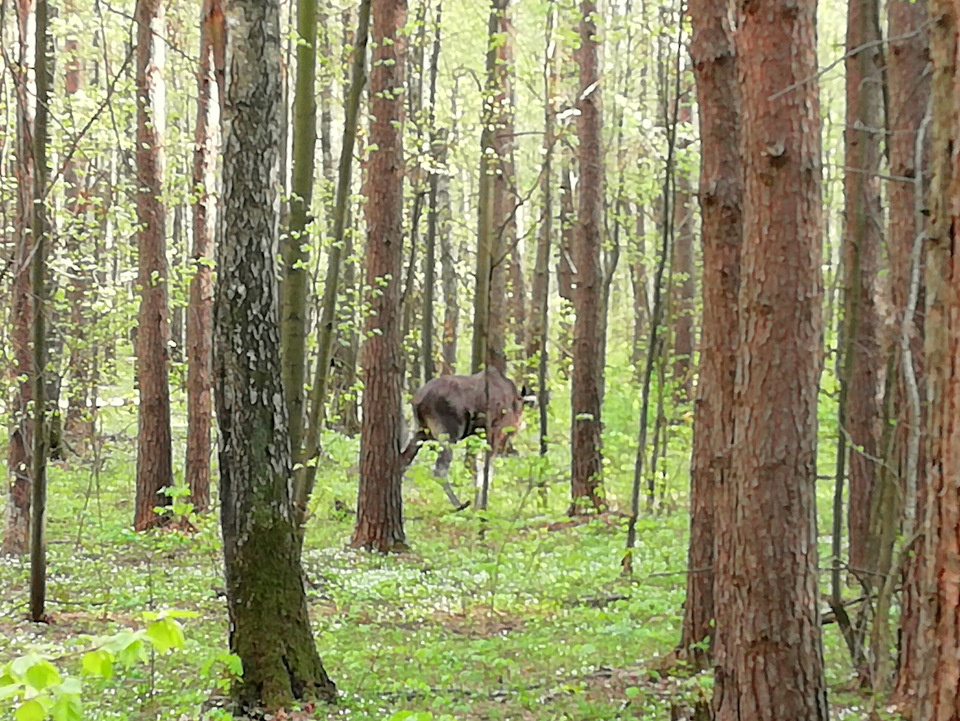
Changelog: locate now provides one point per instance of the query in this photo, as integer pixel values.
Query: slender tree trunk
(269, 621)
(154, 446)
(721, 196)
(683, 287)
(938, 687)
(449, 278)
(565, 268)
(862, 238)
(16, 528)
(909, 94)
(586, 455)
(307, 477)
(294, 313)
(200, 310)
(379, 503)
(41, 228)
(769, 651)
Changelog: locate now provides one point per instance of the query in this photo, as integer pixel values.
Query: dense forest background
(255, 231)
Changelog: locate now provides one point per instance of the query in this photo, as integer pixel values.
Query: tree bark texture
(587, 459)
(939, 632)
(721, 195)
(380, 504)
(683, 302)
(200, 309)
(269, 622)
(861, 260)
(769, 661)
(16, 526)
(154, 443)
(909, 94)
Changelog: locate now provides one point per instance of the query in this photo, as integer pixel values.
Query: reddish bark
(684, 285)
(938, 677)
(200, 309)
(379, 503)
(721, 192)
(909, 93)
(586, 457)
(16, 528)
(769, 654)
(154, 451)
(861, 249)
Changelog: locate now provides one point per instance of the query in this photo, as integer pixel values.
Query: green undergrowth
(516, 613)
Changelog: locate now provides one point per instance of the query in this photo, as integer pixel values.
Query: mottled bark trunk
(565, 268)
(909, 94)
(200, 310)
(449, 280)
(16, 527)
(586, 454)
(861, 259)
(721, 194)
(769, 651)
(269, 620)
(938, 691)
(379, 502)
(154, 444)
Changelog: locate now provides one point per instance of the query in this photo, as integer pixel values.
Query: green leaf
(67, 707)
(98, 663)
(133, 653)
(32, 710)
(165, 634)
(43, 675)
(631, 691)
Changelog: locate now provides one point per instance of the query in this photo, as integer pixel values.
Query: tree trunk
(769, 651)
(16, 527)
(449, 278)
(721, 195)
(909, 95)
(154, 445)
(41, 231)
(939, 632)
(684, 285)
(379, 503)
(586, 455)
(861, 258)
(294, 248)
(200, 310)
(269, 621)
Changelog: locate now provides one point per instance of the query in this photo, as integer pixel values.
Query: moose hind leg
(442, 466)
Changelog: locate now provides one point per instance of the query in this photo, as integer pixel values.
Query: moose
(450, 408)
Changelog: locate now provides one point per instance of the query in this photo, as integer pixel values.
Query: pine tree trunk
(721, 194)
(379, 503)
(154, 446)
(909, 95)
(769, 651)
(16, 527)
(861, 258)
(586, 456)
(939, 625)
(269, 621)
(200, 309)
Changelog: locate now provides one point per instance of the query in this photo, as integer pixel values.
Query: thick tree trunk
(939, 626)
(269, 621)
(448, 281)
(154, 445)
(200, 309)
(379, 503)
(769, 652)
(16, 527)
(909, 95)
(586, 457)
(862, 238)
(721, 193)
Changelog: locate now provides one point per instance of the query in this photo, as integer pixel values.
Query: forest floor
(530, 619)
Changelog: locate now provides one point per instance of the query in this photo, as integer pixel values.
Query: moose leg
(413, 447)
